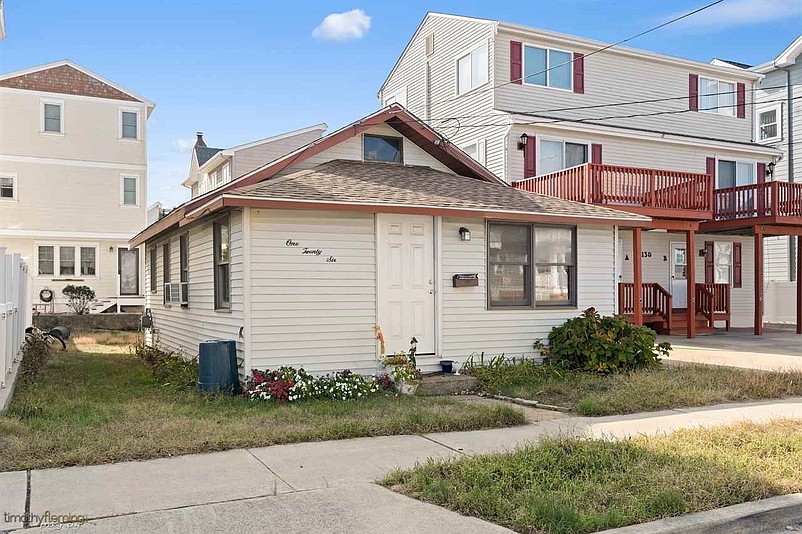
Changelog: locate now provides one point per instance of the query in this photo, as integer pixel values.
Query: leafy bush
(609, 344)
(79, 298)
(169, 368)
(288, 384)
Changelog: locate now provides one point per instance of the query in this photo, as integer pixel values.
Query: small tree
(79, 298)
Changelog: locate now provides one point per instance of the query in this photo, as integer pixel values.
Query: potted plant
(390, 363)
(407, 379)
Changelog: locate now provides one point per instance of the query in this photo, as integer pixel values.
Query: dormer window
(383, 148)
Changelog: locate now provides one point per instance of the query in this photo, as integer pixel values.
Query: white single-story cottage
(382, 223)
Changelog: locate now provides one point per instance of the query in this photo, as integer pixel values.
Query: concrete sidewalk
(322, 486)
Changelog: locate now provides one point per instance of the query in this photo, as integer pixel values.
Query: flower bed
(288, 384)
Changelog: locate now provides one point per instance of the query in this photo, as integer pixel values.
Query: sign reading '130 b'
(306, 251)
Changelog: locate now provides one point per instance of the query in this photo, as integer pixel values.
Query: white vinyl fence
(15, 313)
(779, 302)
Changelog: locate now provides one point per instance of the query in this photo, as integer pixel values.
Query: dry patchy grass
(662, 387)
(104, 342)
(568, 486)
(89, 408)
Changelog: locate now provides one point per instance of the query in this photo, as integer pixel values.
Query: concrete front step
(438, 384)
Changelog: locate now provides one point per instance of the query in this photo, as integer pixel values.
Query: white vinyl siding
(470, 328)
(656, 267)
(309, 312)
(184, 328)
(615, 77)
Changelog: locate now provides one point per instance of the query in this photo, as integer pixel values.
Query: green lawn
(96, 403)
(663, 387)
(565, 486)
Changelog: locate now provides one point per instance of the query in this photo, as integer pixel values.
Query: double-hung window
(716, 96)
(472, 69)
(222, 263)
(183, 258)
(129, 194)
(531, 265)
(154, 286)
(8, 186)
(88, 261)
(557, 155)
(768, 124)
(53, 116)
(129, 124)
(548, 67)
(66, 261)
(46, 259)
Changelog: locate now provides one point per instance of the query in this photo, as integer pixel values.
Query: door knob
(432, 291)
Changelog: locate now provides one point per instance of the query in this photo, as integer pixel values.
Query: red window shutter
(741, 103)
(736, 265)
(516, 63)
(710, 167)
(761, 173)
(693, 92)
(579, 73)
(595, 153)
(709, 277)
(530, 157)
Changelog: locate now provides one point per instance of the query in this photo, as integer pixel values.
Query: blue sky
(242, 70)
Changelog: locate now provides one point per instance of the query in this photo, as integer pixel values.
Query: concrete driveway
(775, 350)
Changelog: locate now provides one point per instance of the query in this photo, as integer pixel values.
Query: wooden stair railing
(657, 301)
(713, 303)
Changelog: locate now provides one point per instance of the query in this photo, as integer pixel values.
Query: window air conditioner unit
(174, 293)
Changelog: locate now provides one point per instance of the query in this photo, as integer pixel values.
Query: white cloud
(741, 13)
(182, 144)
(343, 26)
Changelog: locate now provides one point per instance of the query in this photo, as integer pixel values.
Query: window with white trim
(768, 124)
(716, 96)
(52, 116)
(129, 124)
(66, 260)
(555, 155)
(225, 173)
(722, 262)
(129, 190)
(8, 187)
(472, 69)
(548, 67)
(476, 150)
(221, 237)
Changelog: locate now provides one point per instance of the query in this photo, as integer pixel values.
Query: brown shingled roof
(383, 184)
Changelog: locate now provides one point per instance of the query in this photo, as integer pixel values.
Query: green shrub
(79, 298)
(608, 344)
(169, 368)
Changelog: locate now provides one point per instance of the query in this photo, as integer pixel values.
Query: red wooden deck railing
(769, 199)
(615, 185)
(713, 302)
(656, 301)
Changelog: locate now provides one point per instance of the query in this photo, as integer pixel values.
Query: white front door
(406, 281)
(679, 276)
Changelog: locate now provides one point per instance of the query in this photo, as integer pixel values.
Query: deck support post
(798, 285)
(637, 269)
(758, 284)
(690, 261)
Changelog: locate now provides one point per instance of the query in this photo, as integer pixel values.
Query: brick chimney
(199, 141)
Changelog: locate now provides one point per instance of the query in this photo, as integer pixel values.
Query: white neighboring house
(211, 168)
(73, 181)
(663, 136)
(380, 223)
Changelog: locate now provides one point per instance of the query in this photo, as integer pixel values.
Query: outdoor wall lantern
(702, 253)
(464, 234)
(770, 169)
(522, 141)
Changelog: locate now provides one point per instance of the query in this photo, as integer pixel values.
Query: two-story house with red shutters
(660, 136)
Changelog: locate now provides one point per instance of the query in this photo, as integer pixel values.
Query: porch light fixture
(522, 141)
(464, 234)
(770, 169)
